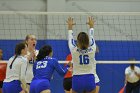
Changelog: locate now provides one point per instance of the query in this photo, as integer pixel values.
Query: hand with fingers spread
(70, 23)
(90, 22)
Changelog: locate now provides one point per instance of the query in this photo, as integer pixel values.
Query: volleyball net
(117, 35)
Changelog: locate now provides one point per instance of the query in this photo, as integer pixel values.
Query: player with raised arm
(43, 69)
(67, 82)
(31, 55)
(15, 73)
(83, 55)
(97, 80)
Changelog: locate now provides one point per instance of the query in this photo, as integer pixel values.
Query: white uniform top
(29, 69)
(17, 72)
(132, 77)
(83, 60)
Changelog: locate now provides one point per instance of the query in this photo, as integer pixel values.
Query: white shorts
(97, 80)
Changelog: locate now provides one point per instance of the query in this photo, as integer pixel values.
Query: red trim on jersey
(68, 74)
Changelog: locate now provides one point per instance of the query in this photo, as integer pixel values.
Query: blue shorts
(82, 83)
(12, 87)
(39, 85)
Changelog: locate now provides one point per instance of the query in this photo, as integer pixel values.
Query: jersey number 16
(84, 59)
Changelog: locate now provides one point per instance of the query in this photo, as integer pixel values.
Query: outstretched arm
(91, 31)
(71, 41)
(59, 69)
(137, 72)
(22, 76)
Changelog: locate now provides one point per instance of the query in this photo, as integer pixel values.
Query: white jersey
(83, 60)
(132, 78)
(17, 72)
(29, 69)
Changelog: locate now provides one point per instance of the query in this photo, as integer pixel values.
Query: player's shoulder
(74, 49)
(11, 58)
(127, 69)
(92, 47)
(137, 68)
(22, 58)
(51, 59)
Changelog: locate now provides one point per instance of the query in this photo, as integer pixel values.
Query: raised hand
(90, 22)
(70, 23)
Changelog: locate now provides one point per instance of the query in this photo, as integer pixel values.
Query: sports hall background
(111, 75)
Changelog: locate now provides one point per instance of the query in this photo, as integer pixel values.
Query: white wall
(103, 5)
(56, 5)
(23, 5)
(70, 5)
(17, 27)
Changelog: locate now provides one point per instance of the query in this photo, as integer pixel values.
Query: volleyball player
(132, 78)
(2, 70)
(31, 55)
(83, 59)
(67, 82)
(15, 73)
(43, 69)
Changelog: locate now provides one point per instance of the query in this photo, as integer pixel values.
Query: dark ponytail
(13, 61)
(18, 50)
(43, 52)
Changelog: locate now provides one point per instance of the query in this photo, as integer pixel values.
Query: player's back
(83, 61)
(14, 72)
(44, 69)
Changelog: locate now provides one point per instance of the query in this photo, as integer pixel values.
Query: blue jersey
(44, 69)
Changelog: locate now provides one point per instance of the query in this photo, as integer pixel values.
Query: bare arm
(71, 41)
(126, 79)
(22, 76)
(91, 31)
(137, 74)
